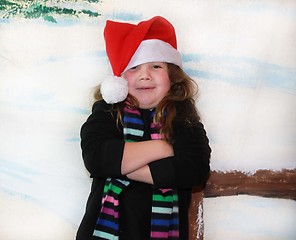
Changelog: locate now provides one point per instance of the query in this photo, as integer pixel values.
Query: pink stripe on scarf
(110, 199)
(126, 109)
(164, 190)
(111, 212)
(155, 136)
(174, 233)
(159, 234)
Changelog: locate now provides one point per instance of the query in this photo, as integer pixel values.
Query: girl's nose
(145, 74)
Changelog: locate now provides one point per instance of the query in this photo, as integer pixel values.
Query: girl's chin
(147, 105)
(147, 102)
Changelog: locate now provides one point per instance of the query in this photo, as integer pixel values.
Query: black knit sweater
(102, 149)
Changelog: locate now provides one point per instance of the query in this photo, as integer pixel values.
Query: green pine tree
(45, 9)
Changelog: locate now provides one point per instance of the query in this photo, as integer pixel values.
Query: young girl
(143, 144)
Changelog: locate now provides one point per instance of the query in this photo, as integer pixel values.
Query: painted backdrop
(241, 53)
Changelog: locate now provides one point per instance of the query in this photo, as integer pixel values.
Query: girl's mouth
(145, 88)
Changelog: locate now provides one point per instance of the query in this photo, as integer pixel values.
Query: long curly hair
(177, 106)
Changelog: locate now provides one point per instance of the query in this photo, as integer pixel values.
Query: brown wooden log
(196, 226)
(265, 183)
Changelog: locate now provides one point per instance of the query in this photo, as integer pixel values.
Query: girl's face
(149, 83)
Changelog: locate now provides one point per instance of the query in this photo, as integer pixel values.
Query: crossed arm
(186, 164)
(105, 155)
(137, 156)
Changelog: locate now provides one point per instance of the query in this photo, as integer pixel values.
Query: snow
(249, 217)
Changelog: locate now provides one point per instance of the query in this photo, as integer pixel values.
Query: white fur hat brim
(154, 50)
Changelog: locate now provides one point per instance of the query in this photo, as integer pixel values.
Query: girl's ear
(114, 89)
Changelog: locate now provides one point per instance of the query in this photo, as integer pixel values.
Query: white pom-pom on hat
(114, 89)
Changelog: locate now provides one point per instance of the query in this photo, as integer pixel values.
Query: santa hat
(129, 45)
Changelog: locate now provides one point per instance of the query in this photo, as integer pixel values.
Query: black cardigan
(102, 149)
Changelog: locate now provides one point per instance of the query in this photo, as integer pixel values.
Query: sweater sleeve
(190, 164)
(101, 143)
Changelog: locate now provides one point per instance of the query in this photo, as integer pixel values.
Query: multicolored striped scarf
(164, 212)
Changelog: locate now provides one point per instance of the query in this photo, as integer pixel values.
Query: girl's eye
(156, 66)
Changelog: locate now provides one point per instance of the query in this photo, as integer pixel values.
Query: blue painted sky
(243, 71)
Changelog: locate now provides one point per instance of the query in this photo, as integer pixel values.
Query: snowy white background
(243, 56)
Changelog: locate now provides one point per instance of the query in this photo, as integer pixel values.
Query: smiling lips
(145, 88)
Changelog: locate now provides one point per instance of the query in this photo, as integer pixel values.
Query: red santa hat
(129, 45)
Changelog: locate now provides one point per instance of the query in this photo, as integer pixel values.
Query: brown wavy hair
(177, 106)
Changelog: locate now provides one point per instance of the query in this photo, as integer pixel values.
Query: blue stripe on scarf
(108, 224)
(132, 120)
(163, 222)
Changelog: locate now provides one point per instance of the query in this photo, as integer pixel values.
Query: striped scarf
(164, 212)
